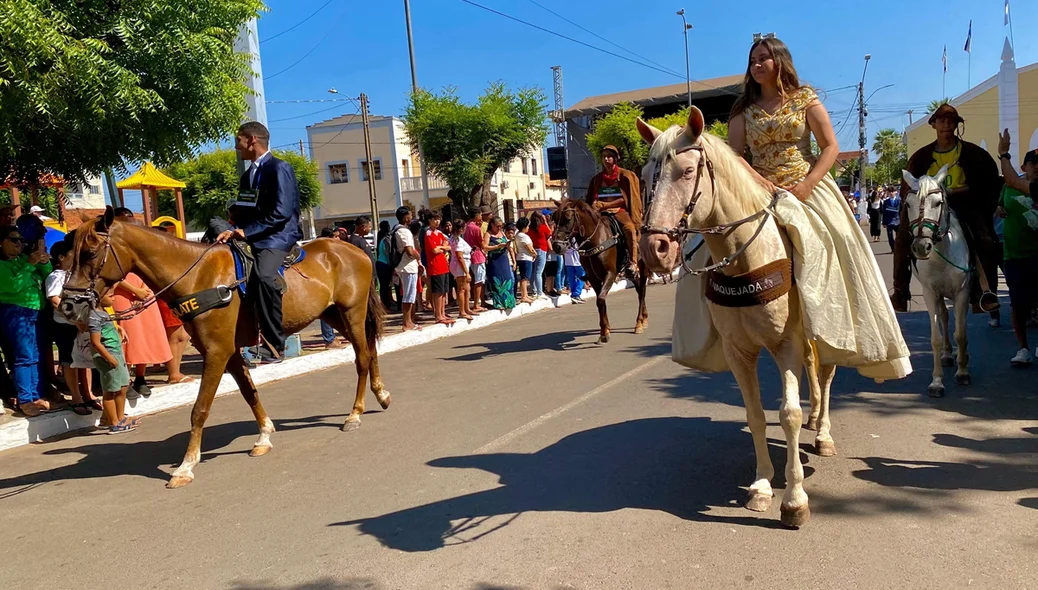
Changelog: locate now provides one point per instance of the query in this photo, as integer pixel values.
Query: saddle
(245, 262)
(616, 239)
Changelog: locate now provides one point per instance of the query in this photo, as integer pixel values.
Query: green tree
(893, 155)
(85, 86)
(465, 144)
(212, 181)
(619, 128)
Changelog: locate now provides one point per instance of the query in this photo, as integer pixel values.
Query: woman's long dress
(145, 332)
(780, 146)
(500, 279)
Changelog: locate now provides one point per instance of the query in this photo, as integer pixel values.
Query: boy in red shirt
(436, 247)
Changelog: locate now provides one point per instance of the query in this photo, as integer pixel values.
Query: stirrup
(989, 302)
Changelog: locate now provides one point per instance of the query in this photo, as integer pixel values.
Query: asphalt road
(525, 456)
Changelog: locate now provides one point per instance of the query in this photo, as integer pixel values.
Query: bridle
(91, 296)
(574, 229)
(682, 231)
(938, 227)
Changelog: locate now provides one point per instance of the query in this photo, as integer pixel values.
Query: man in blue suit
(266, 215)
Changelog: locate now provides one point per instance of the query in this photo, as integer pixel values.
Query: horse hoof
(351, 425)
(759, 503)
(384, 399)
(964, 379)
(794, 518)
(825, 448)
(936, 390)
(639, 329)
(179, 481)
(259, 451)
(603, 339)
(947, 361)
(812, 424)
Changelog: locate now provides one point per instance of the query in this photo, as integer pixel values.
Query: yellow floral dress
(846, 307)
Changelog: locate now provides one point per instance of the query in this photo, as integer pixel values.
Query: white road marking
(509, 437)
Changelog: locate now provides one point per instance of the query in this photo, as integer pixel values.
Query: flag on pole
(969, 38)
(944, 59)
(1007, 14)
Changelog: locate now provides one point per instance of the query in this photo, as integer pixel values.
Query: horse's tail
(375, 320)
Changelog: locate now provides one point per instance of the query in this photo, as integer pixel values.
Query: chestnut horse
(333, 282)
(592, 230)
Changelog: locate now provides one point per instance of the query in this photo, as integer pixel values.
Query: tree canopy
(212, 181)
(85, 86)
(465, 144)
(618, 128)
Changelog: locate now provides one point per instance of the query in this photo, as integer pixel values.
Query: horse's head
(925, 205)
(96, 266)
(568, 219)
(672, 180)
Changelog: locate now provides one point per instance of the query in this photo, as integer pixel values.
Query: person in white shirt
(574, 273)
(525, 255)
(407, 267)
(461, 260)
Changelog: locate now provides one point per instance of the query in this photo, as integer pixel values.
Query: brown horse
(333, 282)
(599, 253)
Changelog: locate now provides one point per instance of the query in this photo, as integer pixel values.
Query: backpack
(395, 253)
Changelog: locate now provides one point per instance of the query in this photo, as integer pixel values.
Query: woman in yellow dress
(774, 118)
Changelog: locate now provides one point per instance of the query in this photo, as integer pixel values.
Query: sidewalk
(16, 431)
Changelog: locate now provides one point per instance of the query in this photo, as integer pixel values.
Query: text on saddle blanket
(757, 287)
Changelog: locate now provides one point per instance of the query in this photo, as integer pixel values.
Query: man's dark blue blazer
(274, 222)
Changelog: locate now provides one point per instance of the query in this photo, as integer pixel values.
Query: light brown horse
(592, 230)
(333, 283)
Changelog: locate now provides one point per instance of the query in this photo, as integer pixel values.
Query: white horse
(697, 182)
(936, 230)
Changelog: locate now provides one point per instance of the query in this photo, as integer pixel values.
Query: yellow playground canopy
(150, 180)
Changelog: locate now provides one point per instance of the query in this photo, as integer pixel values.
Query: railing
(414, 183)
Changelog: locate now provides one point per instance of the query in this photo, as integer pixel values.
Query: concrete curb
(23, 431)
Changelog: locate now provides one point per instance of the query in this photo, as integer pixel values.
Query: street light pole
(862, 160)
(414, 89)
(688, 76)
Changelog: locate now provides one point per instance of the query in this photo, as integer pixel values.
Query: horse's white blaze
(942, 276)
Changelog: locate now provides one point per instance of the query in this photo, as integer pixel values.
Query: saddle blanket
(243, 264)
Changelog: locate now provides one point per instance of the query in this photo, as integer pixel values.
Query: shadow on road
(681, 466)
(350, 584)
(1010, 467)
(143, 458)
(553, 341)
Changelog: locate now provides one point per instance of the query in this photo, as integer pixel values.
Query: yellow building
(1007, 100)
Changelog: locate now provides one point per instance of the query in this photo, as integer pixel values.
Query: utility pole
(301, 152)
(910, 111)
(414, 89)
(688, 75)
(368, 164)
(558, 118)
(862, 113)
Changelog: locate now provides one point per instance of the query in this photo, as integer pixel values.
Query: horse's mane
(578, 204)
(732, 178)
(87, 238)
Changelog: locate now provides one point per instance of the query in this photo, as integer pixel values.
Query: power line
(308, 53)
(313, 14)
(567, 38)
(600, 37)
(334, 106)
(306, 100)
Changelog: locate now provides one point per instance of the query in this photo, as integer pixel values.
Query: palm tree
(935, 104)
(893, 155)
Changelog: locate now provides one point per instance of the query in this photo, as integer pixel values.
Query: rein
(90, 293)
(682, 231)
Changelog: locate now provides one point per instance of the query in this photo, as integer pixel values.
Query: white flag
(944, 59)
(1007, 13)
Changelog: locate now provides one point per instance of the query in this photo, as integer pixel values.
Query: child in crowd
(107, 339)
(574, 273)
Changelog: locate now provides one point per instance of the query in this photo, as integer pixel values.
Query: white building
(89, 195)
(337, 145)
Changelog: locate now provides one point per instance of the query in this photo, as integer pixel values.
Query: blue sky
(460, 45)
(362, 47)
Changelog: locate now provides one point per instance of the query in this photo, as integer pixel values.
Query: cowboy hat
(946, 111)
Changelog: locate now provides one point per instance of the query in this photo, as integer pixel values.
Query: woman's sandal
(94, 403)
(81, 409)
(125, 425)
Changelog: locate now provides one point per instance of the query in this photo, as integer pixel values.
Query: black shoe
(266, 355)
(142, 387)
(899, 301)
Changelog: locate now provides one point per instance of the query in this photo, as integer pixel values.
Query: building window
(95, 189)
(526, 169)
(405, 166)
(339, 173)
(533, 166)
(376, 164)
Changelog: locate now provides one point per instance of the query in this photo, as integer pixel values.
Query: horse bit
(938, 227)
(682, 231)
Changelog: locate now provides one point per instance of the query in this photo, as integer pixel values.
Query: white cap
(35, 209)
